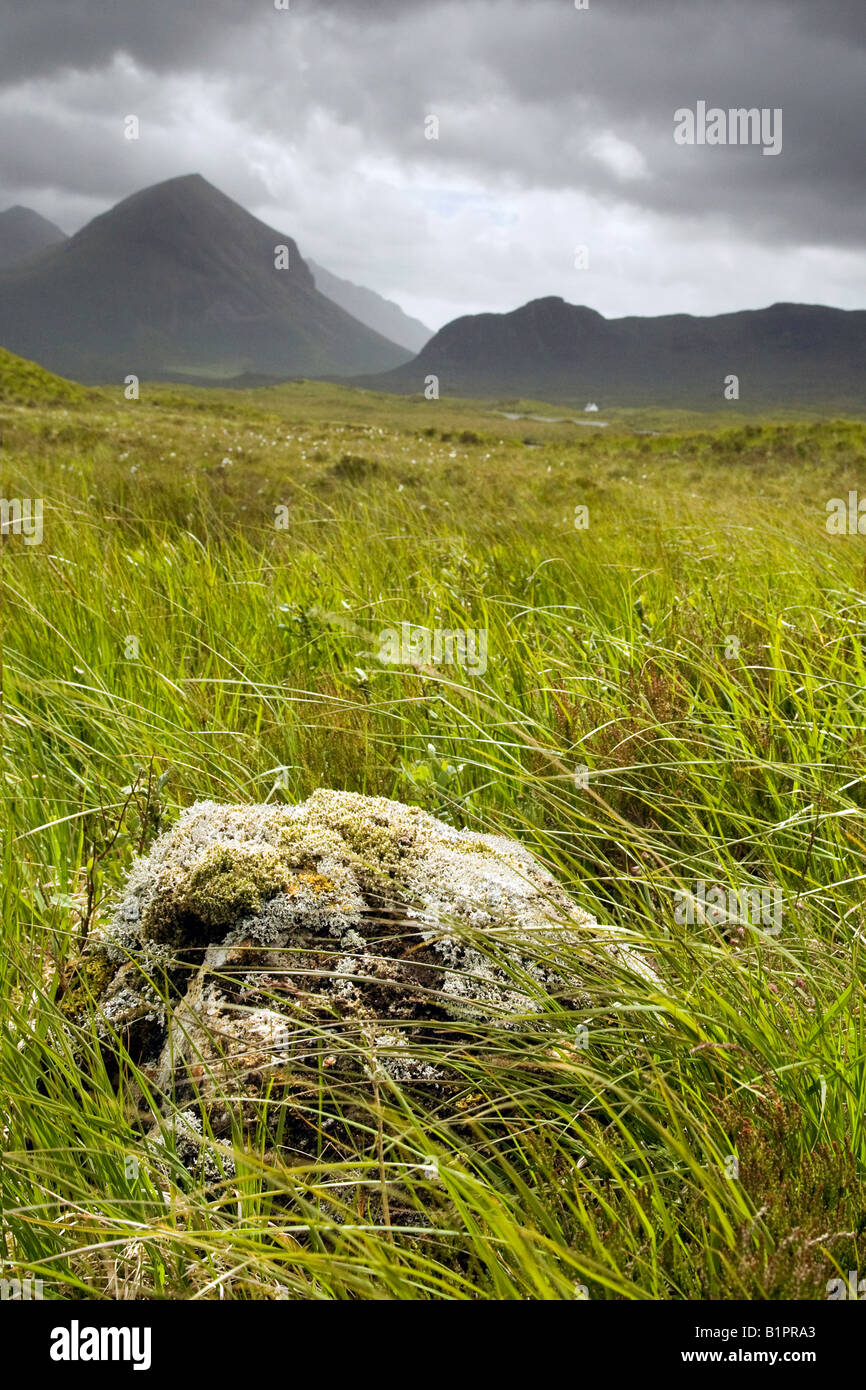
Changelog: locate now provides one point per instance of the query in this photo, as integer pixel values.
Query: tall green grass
(699, 650)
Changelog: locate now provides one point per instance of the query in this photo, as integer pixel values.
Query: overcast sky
(556, 130)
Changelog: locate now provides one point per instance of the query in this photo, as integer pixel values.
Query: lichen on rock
(229, 882)
(253, 938)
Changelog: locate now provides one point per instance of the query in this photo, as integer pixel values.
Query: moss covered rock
(229, 882)
(256, 946)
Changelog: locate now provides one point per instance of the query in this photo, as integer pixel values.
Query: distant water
(556, 419)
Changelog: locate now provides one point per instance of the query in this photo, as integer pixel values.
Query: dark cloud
(315, 112)
(46, 36)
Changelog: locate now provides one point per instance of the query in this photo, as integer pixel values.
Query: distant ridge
(787, 355)
(370, 308)
(24, 232)
(179, 281)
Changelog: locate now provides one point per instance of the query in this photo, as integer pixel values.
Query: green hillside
(26, 383)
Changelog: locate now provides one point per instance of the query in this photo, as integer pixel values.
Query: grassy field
(674, 694)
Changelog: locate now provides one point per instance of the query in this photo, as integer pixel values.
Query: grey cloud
(45, 36)
(532, 96)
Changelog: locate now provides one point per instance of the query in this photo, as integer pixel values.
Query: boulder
(256, 948)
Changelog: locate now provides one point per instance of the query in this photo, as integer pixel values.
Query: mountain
(179, 281)
(370, 308)
(790, 354)
(23, 232)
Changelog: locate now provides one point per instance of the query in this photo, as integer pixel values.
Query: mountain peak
(554, 306)
(179, 281)
(23, 233)
(195, 185)
(549, 350)
(189, 194)
(189, 226)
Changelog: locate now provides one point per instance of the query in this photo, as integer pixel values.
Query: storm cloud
(555, 133)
